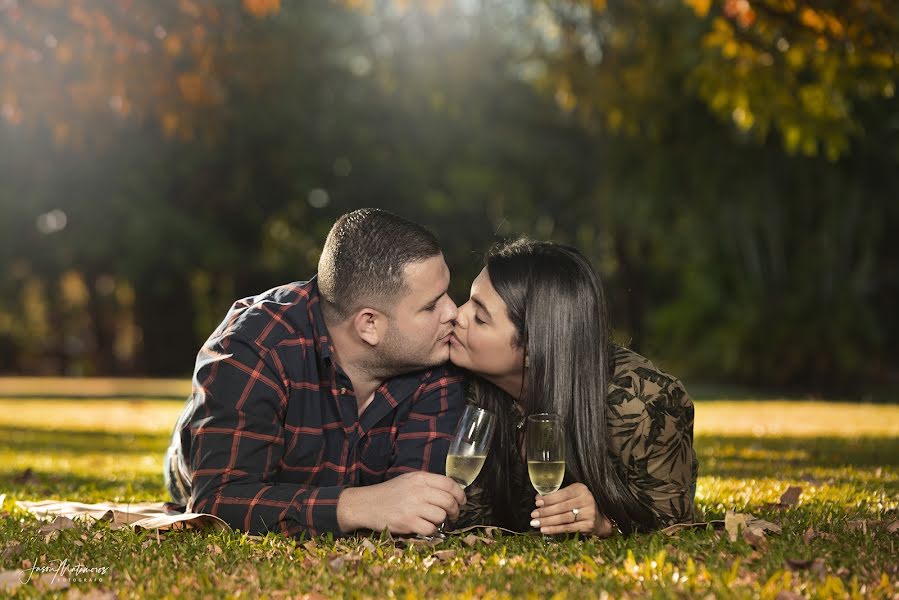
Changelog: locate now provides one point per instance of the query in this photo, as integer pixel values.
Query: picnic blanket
(157, 516)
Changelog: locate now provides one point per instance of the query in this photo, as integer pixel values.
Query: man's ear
(370, 325)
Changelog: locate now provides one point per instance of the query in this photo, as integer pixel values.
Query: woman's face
(482, 338)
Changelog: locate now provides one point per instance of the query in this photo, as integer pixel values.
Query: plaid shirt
(271, 435)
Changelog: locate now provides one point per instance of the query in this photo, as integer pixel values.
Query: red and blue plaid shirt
(271, 435)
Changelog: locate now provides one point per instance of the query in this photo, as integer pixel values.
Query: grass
(843, 456)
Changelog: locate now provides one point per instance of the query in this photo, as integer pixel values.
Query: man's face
(421, 321)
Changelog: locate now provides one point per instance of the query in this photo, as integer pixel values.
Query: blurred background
(731, 167)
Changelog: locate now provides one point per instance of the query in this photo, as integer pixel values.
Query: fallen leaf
(214, 548)
(95, 594)
(788, 595)
(444, 555)
(310, 545)
(678, 527)
(756, 540)
(50, 582)
(798, 564)
(10, 580)
(893, 527)
(337, 563)
(733, 522)
(429, 562)
(791, 496)
(58, 524)
(12, 548)
(472, 540)
(368, 545)
(26, 477)
(819, 569)
(809, 535)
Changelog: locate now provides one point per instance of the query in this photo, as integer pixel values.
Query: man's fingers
(446, 484)
(423, 527)
(446, 502)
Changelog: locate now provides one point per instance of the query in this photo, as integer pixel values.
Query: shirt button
(343, 391)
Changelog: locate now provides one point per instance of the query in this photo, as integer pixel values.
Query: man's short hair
(364, 257)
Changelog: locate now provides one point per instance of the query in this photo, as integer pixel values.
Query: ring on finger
(575, 512)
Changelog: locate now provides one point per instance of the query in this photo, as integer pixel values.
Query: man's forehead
(425, 276)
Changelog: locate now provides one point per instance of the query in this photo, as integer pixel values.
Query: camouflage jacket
(650, 420)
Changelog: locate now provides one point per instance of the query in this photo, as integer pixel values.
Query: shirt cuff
(317, 513)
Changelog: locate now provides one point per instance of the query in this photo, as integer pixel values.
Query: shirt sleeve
(237, 440)
(423, 439)
(653, 436)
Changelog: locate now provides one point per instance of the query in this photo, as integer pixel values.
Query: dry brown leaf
(893, 527)
(733, 523)
(95, 594)
(798, 564)
(755, 540)
(475, 559)
(444, 555)
(818, 569)
(809, 535)
(788, 595)
(429, 562)
(26, 477)
(368, 545)
(11, 580)
(58, 524)
(310, 545)
(50, 582)
(791, 496)
(678, 527)
(12, 548)
(338, 563)
(472, 540)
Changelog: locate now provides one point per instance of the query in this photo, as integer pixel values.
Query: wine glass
(468, 450)
(546, 452)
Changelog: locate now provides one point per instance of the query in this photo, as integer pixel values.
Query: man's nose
(453, 310)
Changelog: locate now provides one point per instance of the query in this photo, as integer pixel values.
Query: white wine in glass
(546, 452)
(464, 469)
(468, 450)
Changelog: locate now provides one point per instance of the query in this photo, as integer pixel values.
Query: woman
(536, 332)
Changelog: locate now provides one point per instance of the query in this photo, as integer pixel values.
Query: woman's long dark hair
(556, 302)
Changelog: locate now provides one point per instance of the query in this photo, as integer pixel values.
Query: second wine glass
(546, 452)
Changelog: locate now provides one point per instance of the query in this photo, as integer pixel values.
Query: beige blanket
(146, 515)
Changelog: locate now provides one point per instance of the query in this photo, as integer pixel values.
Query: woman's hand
(570, 510)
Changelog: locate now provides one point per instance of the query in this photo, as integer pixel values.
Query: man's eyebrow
(481, 305)
(439, 296)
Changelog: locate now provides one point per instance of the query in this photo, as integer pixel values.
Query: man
(327, 406)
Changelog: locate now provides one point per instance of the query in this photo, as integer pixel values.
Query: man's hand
(413, 503)
(554, 513)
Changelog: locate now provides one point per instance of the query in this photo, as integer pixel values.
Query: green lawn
(835, 543)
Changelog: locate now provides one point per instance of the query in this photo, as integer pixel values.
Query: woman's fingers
(576, 527)
(566, 493)
(586, 513)
(562, 507)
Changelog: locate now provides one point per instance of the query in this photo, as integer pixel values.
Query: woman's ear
(368, 325)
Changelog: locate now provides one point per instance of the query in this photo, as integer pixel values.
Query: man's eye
(478, 320)
(431, 308)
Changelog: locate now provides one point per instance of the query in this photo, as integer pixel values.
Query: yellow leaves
(173, 45)
(810, 18)
(261, 8)
(197, 89)
(600, 5)
(700, 7)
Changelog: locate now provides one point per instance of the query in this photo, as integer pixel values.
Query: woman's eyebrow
(480, 304)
